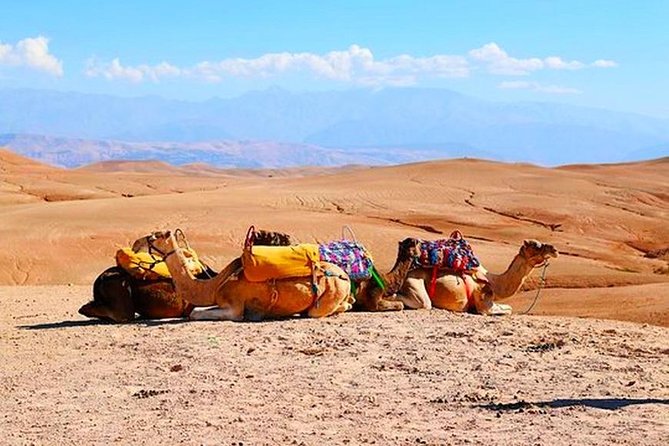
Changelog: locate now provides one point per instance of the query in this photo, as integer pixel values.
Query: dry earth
(413, 377)
(419, 377)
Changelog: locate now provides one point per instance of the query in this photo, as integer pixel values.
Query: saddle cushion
(452, 253)
(146, 266)
(350, 256)
(262, 263)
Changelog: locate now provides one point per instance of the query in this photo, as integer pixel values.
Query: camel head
(160, 241)
(408, 249)
(537, 253)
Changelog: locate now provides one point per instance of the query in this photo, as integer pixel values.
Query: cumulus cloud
(538, 87)
(31, 52)
(603, 63)
(356, 65)
(497, 61)
(115, 70)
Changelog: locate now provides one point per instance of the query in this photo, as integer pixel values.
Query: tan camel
(478, 292)
(236, 299)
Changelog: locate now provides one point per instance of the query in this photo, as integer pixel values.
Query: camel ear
(532, 243)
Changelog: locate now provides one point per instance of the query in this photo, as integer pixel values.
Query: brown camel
(372, 297)
(476, 292)
(324, 294)
(118, 296)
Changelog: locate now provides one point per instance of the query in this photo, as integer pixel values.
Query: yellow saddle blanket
(262, 263)
(144, 266)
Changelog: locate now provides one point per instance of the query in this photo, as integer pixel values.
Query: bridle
(151, 238)
(542, 282)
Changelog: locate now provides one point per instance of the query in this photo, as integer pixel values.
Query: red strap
(471, 305)
(433, 282)
(250, 237)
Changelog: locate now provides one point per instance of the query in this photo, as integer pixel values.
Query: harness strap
(274, 295)
(471, 305)
(377, 279)
(433, 281)
(314, 285)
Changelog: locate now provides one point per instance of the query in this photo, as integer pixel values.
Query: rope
(377, 279)
(180, 236)
(541, 285)
(350, 232)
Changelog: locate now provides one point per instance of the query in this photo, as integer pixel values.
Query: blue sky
(610, 54)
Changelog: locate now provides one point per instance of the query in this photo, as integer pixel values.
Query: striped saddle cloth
(350, 256)
(452, 253)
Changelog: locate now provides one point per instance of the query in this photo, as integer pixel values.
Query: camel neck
(509, 282)
(396, 276)
(196, 291)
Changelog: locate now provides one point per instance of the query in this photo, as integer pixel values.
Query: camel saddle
(263, 263)
(350, 256)
(453, 253)
(143, 265)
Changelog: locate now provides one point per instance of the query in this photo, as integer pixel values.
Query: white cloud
(538, 87)
(603, 63)
(115, 70)
(498, 61)
(556, 63)
(356, 65)
(32, 52)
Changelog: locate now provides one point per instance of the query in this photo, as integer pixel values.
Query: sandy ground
(589, 366)
(417, 377)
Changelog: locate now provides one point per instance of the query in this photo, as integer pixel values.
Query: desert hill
(608, 221)
(412, 377)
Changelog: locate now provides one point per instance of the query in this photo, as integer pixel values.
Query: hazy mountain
(385, 125)
(74, 152)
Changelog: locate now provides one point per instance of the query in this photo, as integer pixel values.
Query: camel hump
(262, 263)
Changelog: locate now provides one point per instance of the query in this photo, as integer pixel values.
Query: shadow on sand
(597, 403)
(92, 322)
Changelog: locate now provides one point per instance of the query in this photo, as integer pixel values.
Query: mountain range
(278, 128)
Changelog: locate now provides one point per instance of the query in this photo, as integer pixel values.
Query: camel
(325, 293)
(477, 292)
(370, 296)
(118, 296)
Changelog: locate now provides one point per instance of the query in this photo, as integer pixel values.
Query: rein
(541, 285)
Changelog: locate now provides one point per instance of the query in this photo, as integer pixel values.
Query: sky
(608, 54)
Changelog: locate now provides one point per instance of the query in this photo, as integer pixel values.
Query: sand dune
(415, 377)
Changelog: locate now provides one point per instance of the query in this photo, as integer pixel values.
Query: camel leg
(414, 295)
(485, 305)
(217, 314)
(378, 302)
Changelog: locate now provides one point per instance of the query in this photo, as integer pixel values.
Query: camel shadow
(597, 403)
(94, 322)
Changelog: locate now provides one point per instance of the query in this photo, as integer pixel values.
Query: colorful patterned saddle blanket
(350, 256)
(452, 253)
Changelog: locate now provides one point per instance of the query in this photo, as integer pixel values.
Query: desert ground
(588, 365)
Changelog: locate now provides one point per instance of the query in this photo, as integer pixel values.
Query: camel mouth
(551, 251)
